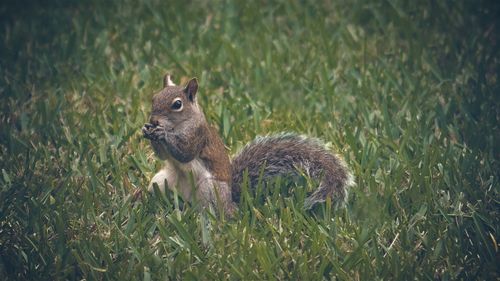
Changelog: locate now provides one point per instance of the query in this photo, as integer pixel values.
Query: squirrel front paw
(152, 132)
(156, 134)
(147, 131)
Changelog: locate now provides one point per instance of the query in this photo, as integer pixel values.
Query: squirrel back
(195, 154)
(288, 154)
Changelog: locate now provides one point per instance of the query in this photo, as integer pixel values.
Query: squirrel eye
(176, 105)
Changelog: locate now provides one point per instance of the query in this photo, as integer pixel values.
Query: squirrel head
(174, 105)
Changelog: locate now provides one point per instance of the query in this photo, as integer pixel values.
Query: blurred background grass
(406, 91)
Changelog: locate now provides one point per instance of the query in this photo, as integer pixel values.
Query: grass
(407, 92)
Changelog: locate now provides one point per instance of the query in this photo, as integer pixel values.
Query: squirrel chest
(185, 177)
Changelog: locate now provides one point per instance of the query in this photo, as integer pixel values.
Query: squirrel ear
(191, 89)
(167, 81)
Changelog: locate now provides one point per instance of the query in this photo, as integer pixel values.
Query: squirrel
(197, 164)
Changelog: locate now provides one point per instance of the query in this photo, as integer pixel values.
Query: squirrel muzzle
(154, 120)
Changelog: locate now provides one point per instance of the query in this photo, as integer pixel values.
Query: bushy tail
(286, 154)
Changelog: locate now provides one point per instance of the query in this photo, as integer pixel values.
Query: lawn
(406, 91)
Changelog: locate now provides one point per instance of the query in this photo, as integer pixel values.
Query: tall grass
(406, 91)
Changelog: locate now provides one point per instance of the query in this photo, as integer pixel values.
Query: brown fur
(215, 157)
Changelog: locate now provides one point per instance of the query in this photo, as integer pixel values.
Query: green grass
(407, 93)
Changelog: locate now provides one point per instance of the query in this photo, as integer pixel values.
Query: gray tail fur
(288, 154)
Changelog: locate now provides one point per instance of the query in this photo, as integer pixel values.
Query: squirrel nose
(154, 121)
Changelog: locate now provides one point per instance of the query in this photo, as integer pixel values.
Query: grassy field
(407, 92)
